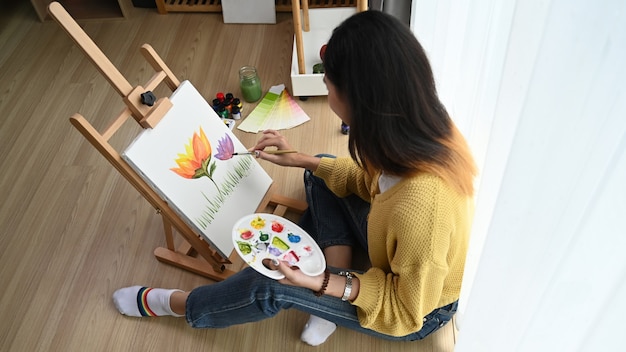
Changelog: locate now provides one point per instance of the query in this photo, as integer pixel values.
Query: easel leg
(169, 236)
(195, 265)
(185, 256)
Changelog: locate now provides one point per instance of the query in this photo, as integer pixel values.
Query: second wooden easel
(300, 11)
(194, 254)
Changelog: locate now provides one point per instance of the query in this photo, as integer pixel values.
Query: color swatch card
(278, 110)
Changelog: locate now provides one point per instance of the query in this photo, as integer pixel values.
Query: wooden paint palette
(266, 236)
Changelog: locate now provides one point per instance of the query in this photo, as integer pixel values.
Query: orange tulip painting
(196, 161)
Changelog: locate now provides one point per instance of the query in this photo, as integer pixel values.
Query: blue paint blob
(293, 238)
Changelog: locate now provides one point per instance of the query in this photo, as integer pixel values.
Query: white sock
(317, 330)
(138, 301)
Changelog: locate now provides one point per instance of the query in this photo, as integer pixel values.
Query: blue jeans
(249, 296)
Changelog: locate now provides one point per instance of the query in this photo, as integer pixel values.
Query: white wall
(537, 87)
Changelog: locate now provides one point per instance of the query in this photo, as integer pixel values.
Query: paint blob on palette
(266, 236)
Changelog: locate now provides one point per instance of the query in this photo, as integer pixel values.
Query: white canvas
(210, 205)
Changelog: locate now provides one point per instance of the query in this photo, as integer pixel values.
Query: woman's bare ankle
(178, 302)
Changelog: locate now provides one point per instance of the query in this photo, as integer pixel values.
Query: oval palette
(266, 236)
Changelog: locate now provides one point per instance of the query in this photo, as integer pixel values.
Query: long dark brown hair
(397, 123)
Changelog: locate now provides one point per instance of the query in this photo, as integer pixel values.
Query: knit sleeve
(344, 177)
(403, 297)
(409, 238)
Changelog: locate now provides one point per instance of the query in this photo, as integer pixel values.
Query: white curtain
(538, 89)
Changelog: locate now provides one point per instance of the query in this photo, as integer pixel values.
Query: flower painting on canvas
(197, 162)
(188, 159)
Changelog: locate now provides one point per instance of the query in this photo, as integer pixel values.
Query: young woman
(405, 195)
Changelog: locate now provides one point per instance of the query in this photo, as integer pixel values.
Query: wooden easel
(194, 254)
(301, 22)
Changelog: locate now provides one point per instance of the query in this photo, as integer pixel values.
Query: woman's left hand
(295, 277)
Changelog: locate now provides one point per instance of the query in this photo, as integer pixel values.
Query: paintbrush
(284, 151)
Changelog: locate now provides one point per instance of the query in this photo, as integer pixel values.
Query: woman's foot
(138, 301)
(317, 330)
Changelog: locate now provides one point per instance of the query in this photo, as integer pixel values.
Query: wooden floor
(72, 230)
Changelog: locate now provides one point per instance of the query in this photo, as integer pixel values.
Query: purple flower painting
(225, 148)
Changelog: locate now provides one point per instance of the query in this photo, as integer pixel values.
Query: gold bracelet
(324, 284)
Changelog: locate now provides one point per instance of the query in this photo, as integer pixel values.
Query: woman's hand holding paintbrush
(284, 155)
(226, 149)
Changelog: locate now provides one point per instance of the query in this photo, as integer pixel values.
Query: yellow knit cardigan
(417, 235)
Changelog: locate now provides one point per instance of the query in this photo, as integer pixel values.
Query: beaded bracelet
(324, 283)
